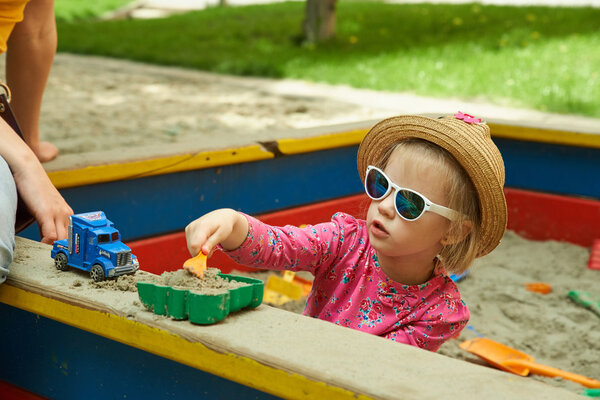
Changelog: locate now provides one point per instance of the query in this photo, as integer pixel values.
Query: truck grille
(123, 258)
(124, 270)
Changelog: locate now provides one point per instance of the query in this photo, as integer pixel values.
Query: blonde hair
(461, 195)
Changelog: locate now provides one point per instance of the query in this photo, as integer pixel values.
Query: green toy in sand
(592, 392)
(586, 300)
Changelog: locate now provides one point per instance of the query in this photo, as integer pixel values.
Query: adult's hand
(45, 203)
(47, 206)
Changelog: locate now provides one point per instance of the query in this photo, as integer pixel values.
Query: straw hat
(468, 140)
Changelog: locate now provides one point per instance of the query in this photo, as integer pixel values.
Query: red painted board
(543, 216)
(169, 252)
(11, 392)
(533, 215)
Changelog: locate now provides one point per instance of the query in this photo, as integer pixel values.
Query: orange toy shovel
(519, 363)
(196, 265)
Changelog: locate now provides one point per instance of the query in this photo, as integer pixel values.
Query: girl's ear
(457, 234)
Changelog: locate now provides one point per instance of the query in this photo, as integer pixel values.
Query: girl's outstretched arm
(225, 226)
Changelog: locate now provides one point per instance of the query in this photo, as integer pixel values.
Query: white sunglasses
(409, 204)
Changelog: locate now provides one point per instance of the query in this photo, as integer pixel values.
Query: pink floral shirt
(349, 288)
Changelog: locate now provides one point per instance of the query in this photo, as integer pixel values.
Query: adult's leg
(8, 209)
(31, 49)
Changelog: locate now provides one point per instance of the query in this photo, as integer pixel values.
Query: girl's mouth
(377, 229)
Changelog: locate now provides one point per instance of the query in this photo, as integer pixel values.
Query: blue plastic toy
(94, 245)
(459, 277)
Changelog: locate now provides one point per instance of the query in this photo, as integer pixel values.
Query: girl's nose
(386, 206)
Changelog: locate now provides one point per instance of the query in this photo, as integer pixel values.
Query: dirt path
(99, 110)
(121, 110)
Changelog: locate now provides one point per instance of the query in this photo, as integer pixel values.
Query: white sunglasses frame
(445, 212)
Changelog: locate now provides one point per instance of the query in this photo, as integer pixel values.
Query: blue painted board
(552, 168)
(166, 203)
(157, 205)
(59, 361)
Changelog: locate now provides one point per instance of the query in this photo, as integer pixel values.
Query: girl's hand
(225, 226)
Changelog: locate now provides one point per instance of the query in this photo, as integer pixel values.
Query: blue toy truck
(94, 245)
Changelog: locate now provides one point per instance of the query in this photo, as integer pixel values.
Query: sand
(212, 283)
(123, 109)
(551, 328)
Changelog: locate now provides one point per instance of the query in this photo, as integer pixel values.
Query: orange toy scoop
(519, 363)
(196, 265)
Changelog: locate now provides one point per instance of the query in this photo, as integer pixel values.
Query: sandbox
(552, 193)
(270, 350)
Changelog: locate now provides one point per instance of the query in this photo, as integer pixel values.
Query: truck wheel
(60, 262)
(97, 273)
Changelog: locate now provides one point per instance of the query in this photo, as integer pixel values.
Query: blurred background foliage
(545, 58)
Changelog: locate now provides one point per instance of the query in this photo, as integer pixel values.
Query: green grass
(70, 10)
(534, 57)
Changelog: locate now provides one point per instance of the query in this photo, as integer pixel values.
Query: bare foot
(46, 151)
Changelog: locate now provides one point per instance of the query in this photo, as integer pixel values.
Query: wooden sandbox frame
(267, 351)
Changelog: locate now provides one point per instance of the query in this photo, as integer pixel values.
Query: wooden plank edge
(543, 135)
(178, 163)
(233, 367)
(157, 166)
(321, 142)
(498, 130)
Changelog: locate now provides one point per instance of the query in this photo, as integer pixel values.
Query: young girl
(437, 204)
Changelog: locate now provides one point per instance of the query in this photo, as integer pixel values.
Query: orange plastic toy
(196, 265)
(519, 363)
(539, 287)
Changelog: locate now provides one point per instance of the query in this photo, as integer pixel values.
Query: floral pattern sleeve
(288, 247)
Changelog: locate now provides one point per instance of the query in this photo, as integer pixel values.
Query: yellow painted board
(236, 368)
(545, 135)
(354, 137)
(187, 162)
(157, 166)
(322, 142)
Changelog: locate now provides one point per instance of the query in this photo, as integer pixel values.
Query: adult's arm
(8, 208)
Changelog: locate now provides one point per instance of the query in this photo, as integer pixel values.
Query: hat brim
(474, 151)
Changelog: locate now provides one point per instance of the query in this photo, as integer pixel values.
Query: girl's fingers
(197, 236)
(212, 242)
(205, 233)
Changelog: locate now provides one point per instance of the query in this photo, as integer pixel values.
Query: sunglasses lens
(376, 184)
(409, 204)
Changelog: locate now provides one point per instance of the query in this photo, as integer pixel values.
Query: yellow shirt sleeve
(11, 12)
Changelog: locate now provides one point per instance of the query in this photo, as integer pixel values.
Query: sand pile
(179, 279)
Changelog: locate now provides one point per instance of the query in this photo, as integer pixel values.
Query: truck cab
(94, 245)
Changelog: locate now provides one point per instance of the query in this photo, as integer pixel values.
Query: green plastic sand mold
(198, 308)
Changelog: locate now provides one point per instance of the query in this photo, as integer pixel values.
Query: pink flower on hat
(469, 119)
